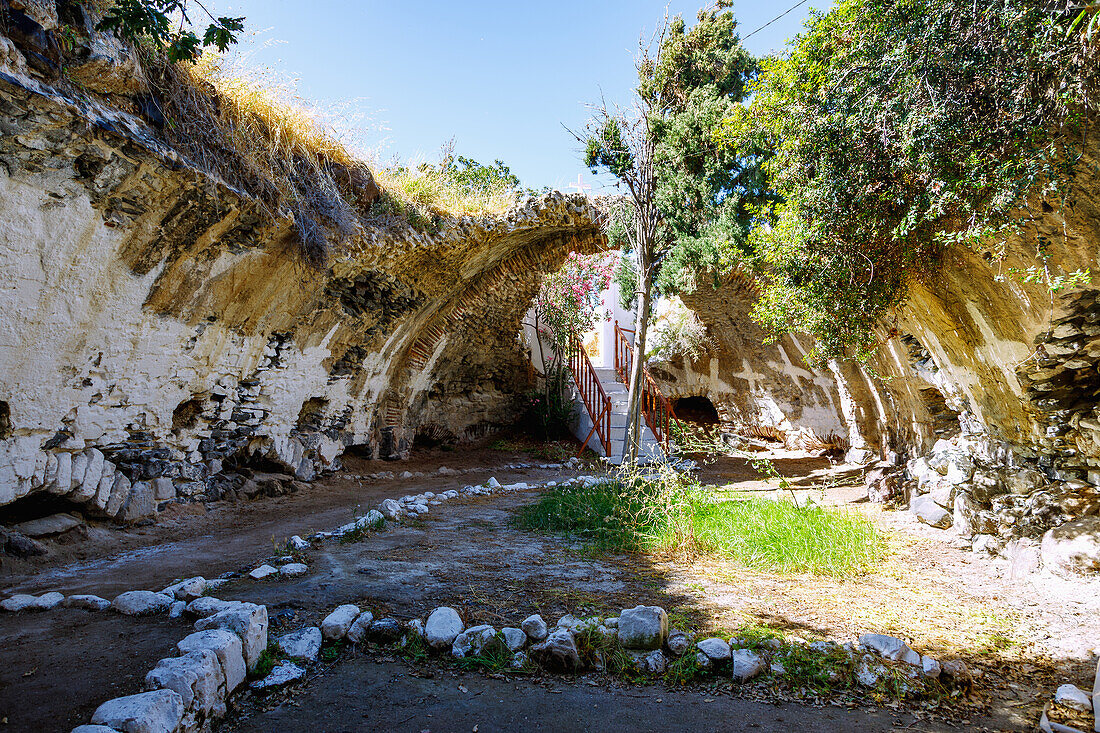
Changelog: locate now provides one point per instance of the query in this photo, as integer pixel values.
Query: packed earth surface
(1018, 635)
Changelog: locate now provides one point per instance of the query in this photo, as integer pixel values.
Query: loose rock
(87, 603)
(643, 627)
(514, 638)
(301, 644)
(293, 569)
(442, 626)
(141, 603)
(534, 627)
(678, 644)
(715, 649)
(653, 662)
(282, 674)
(1074, 698)
(889, 647)
(360, 627)
(384, 631)
(337, 623)
(558, 651)
(264, 571)
(746, 664)
(187, 590)
(208, 606)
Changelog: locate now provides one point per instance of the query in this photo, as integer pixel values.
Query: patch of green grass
(673, 513)
(597, 650)
(415, 648)
(494, 657)
(684, 669)
(780, 537)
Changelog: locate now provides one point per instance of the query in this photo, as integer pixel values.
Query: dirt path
(466, 553)
(223, 537)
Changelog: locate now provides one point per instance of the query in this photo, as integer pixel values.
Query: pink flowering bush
(567, 306)
(569, 300)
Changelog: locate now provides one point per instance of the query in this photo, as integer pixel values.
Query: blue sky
(502, 78)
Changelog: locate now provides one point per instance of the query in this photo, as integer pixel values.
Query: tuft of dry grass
(433, 194)
(263, 140)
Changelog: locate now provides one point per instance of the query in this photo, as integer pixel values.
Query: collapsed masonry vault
(158, 328)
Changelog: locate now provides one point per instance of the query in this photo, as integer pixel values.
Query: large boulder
(159, 711)
(442, 627)
(643, 627)
(1073, 547)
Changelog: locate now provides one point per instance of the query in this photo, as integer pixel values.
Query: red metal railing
(592, 392)
(657, 409)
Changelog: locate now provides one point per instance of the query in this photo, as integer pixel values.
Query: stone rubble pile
(1030, 512)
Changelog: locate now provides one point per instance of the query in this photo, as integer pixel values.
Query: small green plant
(415, 648)
(599, 651)
(331, 652)
(684, 669)
(269, 657)
(494, 657)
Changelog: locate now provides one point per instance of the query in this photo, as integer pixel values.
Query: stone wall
(159, 329)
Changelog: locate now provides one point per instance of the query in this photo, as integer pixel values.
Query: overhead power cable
(796, 5)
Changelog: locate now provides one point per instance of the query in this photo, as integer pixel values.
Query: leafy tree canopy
(899, 128)
(705, 188)
(167, 26)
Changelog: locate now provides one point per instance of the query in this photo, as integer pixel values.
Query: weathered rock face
(159, 328)
(751, 382)
(989, 373)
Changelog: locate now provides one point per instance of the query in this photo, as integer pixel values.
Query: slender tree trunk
(634, 425)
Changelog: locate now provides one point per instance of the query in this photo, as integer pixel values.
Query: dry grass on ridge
(259, 136)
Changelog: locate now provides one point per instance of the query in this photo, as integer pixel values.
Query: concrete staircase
(649, 451)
